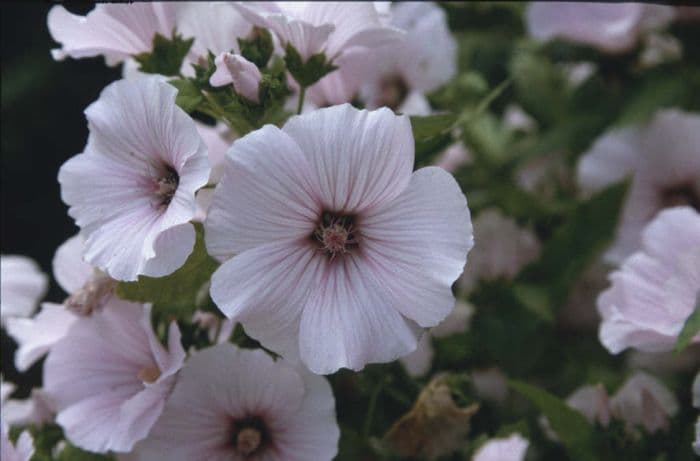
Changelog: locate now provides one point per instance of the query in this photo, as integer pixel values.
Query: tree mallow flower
(240, 404)
(503, 248)
(115, 31)
(321, 27)
(342, 254)
(237, 70)
(22, 451)
(34, 410)
(132, 190)
(418, 362)
(593, 402)
(664, 160)
(612, 28)
(425, 59)
(644, 401)
(657, 288)
(109, 377)
(511, 448)
(22, 285)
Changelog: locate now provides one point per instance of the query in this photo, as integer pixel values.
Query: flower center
(249, 436)
(149, 374)
(91, 295)
(335, 234)
(681, 195)
(166, 185)
(392, 92)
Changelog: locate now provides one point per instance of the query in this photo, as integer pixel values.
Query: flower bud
(245, 76)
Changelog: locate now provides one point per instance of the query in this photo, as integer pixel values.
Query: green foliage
(691, 328)
(258, 48)
(189, 97)
(167, 55)
(175, 294)
(570, 425)
(309, 72)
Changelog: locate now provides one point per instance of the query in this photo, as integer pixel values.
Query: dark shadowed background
(42, 126)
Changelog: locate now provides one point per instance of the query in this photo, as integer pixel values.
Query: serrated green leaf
(176, 293)
(691, 328)
(189, 95)
(570, 425)
(309, 72)
(166, 56)
(257, 49)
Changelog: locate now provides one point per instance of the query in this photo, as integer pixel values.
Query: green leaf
(571, 426)
(258, 48)
(586, 232)
(167, 55)
(691, 328)
(188, 95)
(428, 126)
(309, 72)
(73, 453)
(177, 293)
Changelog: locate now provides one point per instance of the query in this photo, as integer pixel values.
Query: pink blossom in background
(511, 448)
(502, 249)
(233, 404)
(611, 27)
(22, 451)
(644, 401)
(115, 31)
(22, 285)
(657, 288)
(132, 190)
(662, 158)
(592, 401)
(342, 255)
(424, 60)
(490, 384)
(242, 74)
(35, 410)
(218, 139)
(454, 157)
(321, 27)
(418, 362)
(109, 377)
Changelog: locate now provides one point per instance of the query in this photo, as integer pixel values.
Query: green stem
(300, 104)
(370, 409)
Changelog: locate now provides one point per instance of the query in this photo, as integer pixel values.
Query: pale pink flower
(237, 70)
(239, 404)
(342, 85)
(116, 31)
(425, 59)
(613, 28)
(515, 118)
(22, 451)
(321, 27)
(656, 289)
(218, 139)
(502, 249)
(22, 285)
(132, 190)
(511, 448)
(592, 401)
(644, 401)
(35, 336)
(34, 410)
(662, 157)
(109, 377)
(490, 384)
(418, 362)
(454, 157)
(342, 254)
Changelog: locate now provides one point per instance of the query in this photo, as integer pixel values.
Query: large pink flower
(663, 159)
(113, 30)
(656, 289)
(341, 254)
(109, 377)
(132, 190)
(425, 59)
(233, 404)
(22, 285)
(321, 27)
(613, 28)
